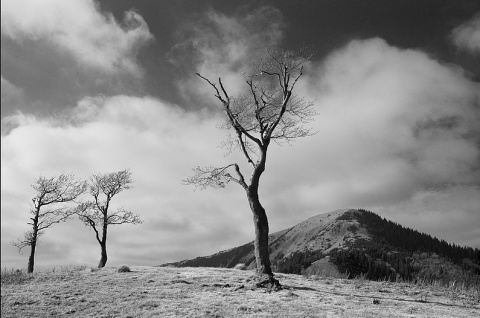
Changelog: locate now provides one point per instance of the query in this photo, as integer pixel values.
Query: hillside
(355, 242)
(219, 292)
(321, 233)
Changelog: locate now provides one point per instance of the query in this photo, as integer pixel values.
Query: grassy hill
(219, 292)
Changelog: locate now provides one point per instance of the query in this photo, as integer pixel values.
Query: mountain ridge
(352, 242)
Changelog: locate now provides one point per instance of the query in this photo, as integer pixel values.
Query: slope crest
(317, 235)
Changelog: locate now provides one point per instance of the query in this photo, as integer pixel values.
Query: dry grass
(209, 292)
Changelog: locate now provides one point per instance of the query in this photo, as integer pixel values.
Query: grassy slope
(218, 292)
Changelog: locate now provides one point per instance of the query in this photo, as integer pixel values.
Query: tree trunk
(103, 258)
(103, 242)
(31, 259)
(33, 244)
(262, 253)
(260, 221)
(261, 249)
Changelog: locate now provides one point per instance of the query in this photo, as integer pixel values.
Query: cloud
(217, 45)
(10, 93)
(467, 35)
(95, 39)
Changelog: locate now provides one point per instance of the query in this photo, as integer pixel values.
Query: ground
(212, 292)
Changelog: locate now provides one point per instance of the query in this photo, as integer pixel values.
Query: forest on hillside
(404, 239)
(399, 252)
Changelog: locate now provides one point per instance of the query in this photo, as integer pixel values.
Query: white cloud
(95, 39)
(400, 105)
(467, 35)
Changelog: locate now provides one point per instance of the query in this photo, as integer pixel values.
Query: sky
(93, 87)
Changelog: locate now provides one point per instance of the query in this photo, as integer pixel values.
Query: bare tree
(96, 215)
(267, 112)
(50, 191)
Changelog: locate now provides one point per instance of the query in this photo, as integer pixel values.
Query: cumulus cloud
(467, 35)
(218, 45)
(95, 39)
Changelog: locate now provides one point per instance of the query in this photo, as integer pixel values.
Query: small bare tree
(50, 191)
(267, 112)
(96, 215)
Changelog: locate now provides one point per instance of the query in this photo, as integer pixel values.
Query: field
(212, 292)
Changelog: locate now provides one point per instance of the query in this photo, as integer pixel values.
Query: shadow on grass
(300, 288)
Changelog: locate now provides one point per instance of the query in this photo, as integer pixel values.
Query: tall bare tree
(268, 111)
(96, 214)
(49, 192)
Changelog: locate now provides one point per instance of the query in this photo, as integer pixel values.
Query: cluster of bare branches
(49, 192)
(215, 177)
(97, 215)
(96, 212)
(268, 111)
(66, 189)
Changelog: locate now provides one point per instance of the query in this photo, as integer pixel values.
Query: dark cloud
(219, 45)
(467, 35)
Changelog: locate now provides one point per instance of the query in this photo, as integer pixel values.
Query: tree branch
(215, 177)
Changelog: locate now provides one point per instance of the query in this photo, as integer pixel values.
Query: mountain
(354, 242)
